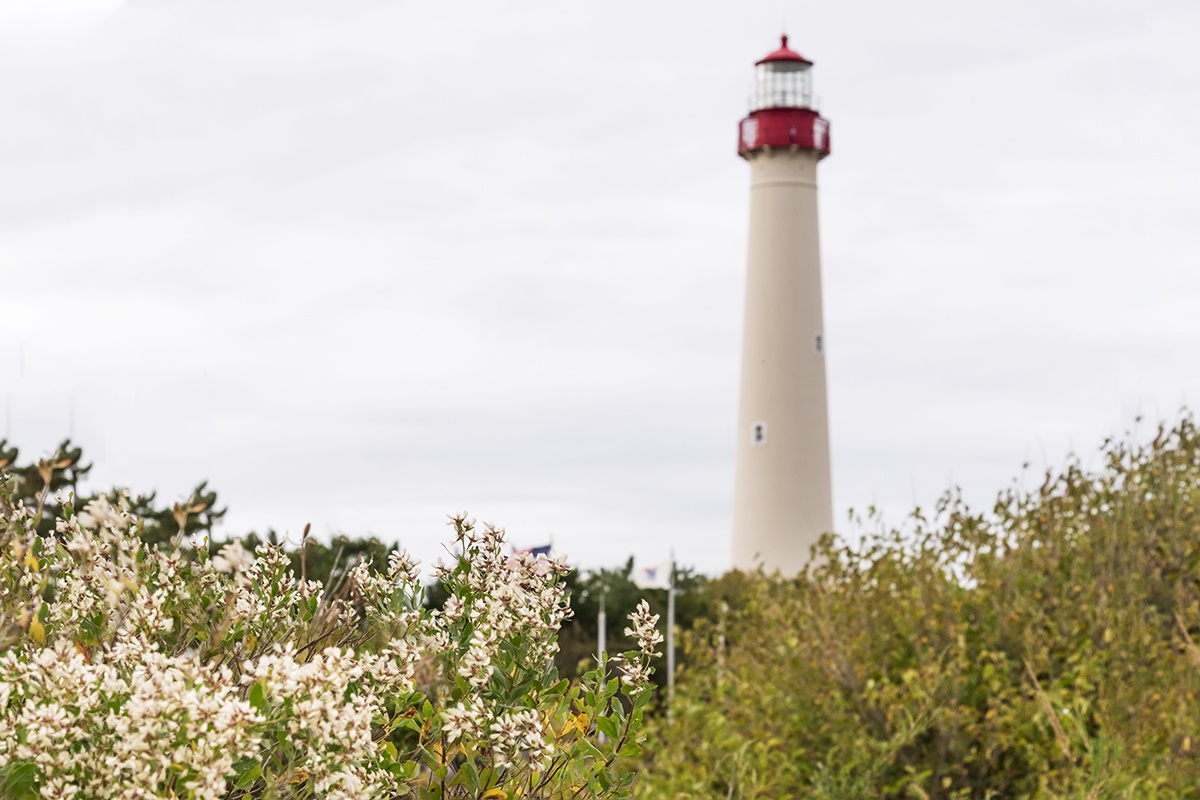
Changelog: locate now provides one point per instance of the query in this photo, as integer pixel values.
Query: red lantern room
(783, 116)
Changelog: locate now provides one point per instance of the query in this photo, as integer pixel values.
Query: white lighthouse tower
(782, 494)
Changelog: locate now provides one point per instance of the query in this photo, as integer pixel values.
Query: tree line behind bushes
(1045, 649)
(44, 484)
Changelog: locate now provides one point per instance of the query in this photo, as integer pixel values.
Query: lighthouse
(782, 489)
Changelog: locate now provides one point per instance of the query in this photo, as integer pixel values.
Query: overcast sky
(363, 264)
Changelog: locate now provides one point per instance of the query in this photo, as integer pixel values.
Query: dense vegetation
(1045, 649)
(134, 670)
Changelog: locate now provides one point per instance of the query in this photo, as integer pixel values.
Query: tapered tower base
(782, 495)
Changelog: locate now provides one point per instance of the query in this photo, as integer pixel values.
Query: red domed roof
(784, 53)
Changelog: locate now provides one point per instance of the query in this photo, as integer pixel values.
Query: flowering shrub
(133, 671)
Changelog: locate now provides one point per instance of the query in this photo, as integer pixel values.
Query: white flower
(99, 513)
(645, 629)
(233, 557)
(463, 719)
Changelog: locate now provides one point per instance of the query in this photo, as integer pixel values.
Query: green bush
(1045, 649)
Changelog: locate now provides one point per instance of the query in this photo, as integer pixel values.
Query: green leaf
(587, 748)
(606, 726)
(258, 697)
(249, 776)
(630, 750)
(18, 781)
(89, 630)
(470, 774)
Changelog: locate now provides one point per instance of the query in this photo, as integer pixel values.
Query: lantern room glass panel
(783, 84)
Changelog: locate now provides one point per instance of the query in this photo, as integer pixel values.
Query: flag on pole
(655, 576)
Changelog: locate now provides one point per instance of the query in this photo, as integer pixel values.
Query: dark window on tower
(758, 433)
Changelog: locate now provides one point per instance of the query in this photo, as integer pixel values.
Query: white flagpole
(671, 641)
(602, 638)
(602, 627)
